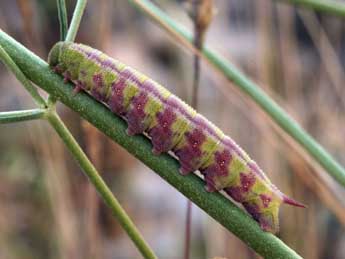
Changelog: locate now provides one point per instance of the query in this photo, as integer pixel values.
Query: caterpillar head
(54, 57)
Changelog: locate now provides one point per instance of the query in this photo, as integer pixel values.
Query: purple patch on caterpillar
(217, 169)
(162, 134)
(190, 153)
(266, 200)
(136, 114)
(94, 55)
(239, 193)
(109, 64)
(253, 209)
(128, 74)
(265, 223)
(98, 87)
(116, 100)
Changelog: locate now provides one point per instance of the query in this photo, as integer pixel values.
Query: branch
(252, 90)
(63, 21)
(325, 6)
(77, 15)
(8, 62)
(215, 204)
(25, 115)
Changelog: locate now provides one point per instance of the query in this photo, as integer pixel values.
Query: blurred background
(49, 210)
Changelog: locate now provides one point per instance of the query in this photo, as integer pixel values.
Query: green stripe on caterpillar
(172, 125)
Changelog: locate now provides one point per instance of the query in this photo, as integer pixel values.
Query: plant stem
(252, 90)
(63, 21)
(11, 65)
(25, 115)
(215, 204)
(77, 15)
(325, 6)
(100, 185)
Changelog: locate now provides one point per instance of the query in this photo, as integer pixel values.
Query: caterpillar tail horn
(290, 201)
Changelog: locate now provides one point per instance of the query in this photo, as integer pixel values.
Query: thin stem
(63, 21)
(25, 115)
(11, 65)
(77, 15)
(215, 204)
(188, 230)
(252, 90)
(330, 7)
(100, 185)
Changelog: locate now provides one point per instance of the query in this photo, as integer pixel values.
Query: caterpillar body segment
(172, 125)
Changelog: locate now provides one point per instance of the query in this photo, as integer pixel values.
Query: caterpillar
(172, 125)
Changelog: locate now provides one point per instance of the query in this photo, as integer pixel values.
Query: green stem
(247, 86)
(77, 15)
(100, 185)
(330, 7)
(25, 115)
(215, 204)
(62, 13)
(11, 65)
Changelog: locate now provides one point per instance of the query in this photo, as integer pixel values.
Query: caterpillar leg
(142, 110)
(116, 99)
(217, 169)
(190, 150)
(268, 219)
(169, 127)
(66, 76)
(162, 133)
(79, 86)
(198, 146)
(57, 69)
(98, 87)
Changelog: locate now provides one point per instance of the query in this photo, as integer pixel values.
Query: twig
(6, 59)
(25, 115)
(331, 7)
(77, 15)
(63, 21)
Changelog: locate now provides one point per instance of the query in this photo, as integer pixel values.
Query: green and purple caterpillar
(172, 125)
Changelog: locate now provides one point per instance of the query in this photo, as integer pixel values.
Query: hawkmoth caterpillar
(172, 125)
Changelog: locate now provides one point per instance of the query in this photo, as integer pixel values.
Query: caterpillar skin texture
(174, 126)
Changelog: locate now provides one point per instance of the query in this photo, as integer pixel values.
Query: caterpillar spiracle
(172, 125)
